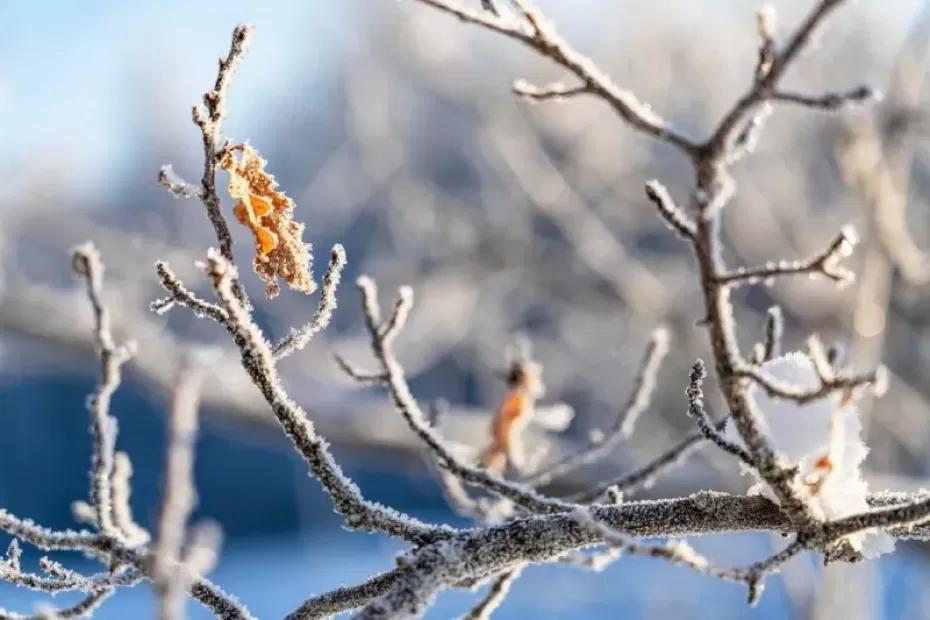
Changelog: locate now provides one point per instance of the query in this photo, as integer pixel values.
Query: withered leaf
(279, 248)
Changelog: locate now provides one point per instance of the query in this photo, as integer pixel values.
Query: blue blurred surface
(284, 543)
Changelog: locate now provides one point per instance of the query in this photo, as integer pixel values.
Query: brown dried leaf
(279, 248)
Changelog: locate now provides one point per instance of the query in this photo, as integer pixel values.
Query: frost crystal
(823, 439)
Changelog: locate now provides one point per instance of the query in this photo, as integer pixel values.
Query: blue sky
(72, 74)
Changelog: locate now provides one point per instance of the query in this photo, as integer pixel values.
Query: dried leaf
(279, 248)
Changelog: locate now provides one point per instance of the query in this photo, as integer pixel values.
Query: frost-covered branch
(170, 180)
(258, 361)
(829, 380)
(122, 511)
(830, 101)
(209, 119)
(535, 31)
(676, 219)
(178, 497)
(766, 80)
(713, 189)
(345, 598)
(178, 294)
(87, 265)
(825, 264)
(770, 347)
(120, 542)
(551, 92)
(681, 553)
(697, 413)
(482, 552)
(382, 337)
(496, 594)
(646, 475)
(299, 338)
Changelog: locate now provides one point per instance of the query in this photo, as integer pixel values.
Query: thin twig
(258, 361)
(178, 495)
(550, 92)
(541, 36)
(830, 101)
(178, 294)
(824, 264)
(87, 265)
(622, 428)
(676, 219)
(498, 591)
(299, 338)
(382, 336)
(697, 413)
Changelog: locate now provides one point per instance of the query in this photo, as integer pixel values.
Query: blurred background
(394, 129)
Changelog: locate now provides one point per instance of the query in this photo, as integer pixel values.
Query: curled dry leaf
(524, 380)
(279, 248)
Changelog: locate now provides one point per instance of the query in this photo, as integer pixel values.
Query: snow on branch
(498, 591)
(828, 380)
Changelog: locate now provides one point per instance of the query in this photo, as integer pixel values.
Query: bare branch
(381, 340)
(258, 361)
(178, 294)
(824, 264)
(699, 415)
(169, 179)
(676, 219)
(542, 37)
(774, 328)
(829, 384)
(831, 101)
(178, 495)
(87, 265)
(299, 338)
(498, 591)
(551, 92)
